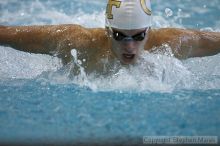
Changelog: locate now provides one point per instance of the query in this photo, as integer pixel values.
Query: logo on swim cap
(128, 14)
(144, 7)
(110, 4)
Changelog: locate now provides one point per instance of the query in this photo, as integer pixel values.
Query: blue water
(39, 103)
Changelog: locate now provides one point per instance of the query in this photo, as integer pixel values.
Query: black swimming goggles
(118, 36)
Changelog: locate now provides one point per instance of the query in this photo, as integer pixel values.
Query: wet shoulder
(157, 37)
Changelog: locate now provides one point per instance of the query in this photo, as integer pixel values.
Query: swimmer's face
(127, 45)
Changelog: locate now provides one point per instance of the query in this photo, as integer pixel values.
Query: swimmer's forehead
(129, 31)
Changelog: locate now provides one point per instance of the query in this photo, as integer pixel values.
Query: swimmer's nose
(129, 47)
(129, 50)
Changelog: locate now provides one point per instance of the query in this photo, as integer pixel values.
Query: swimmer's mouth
(128, 57)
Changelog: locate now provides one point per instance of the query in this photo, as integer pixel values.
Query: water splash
(159, 71)
(153, 72)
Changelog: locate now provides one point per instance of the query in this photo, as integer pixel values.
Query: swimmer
(126, 35)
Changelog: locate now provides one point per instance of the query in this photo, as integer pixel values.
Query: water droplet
(168, 12)
(58, 30)
(74, 54)
(79, 62)
(17, 30)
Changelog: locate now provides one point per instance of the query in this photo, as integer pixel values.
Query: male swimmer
(127, 34)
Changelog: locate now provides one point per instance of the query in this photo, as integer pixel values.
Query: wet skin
(94, 44)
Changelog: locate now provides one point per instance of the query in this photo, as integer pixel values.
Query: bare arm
(209, 44)
(33, 39)
(53, 40)
(187, 43)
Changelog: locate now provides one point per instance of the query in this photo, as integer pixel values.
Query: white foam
(16, 64)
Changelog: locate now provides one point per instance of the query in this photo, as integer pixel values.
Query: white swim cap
(128, 14)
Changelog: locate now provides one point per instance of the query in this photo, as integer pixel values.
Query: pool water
(40, 102)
